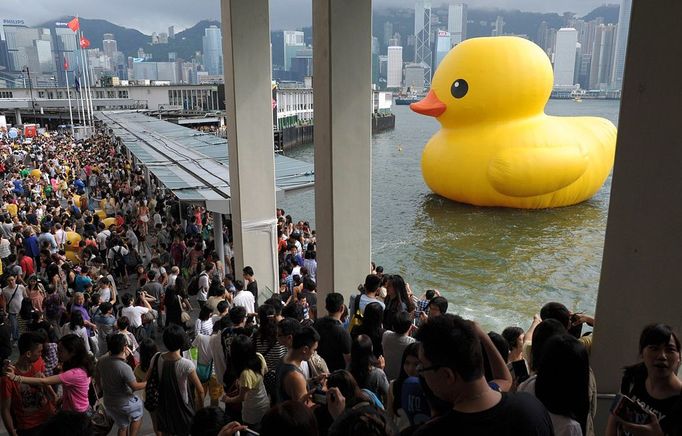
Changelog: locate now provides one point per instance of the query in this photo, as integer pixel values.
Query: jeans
(14, 326)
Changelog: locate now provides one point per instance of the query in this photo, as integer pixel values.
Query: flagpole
(84, 85)
(68, 95)
(87, 72)
(81, 114)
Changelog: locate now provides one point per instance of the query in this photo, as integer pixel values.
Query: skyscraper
(498, 28)
(109, 45)
(213, 51)
(171, 32)
(294, 41)
(564, 56)
(457, 22)
(394, 69)
(601, 66)
(621, 44)
(422, 34)
(443, 45)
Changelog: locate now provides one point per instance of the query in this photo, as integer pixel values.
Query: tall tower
(422, 35)
(394, 74)
(213, 50)
(564, 57)
(621, 43)
(457, 23)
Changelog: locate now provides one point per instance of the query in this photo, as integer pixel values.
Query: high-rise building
(564, 56)
(163, 38)
(388, 32)
(621, 44)
(498, 27)
(171, 32)
(294, 40)
(213, 50)
(414, 74)
(394, 69)
(65, 47)
(601, 65)
(422, 35)
(109, 45)
(457, 23)
(443, 45)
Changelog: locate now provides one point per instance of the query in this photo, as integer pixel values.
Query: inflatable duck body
(496, 146)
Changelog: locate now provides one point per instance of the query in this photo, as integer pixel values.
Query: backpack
(193, 285)
(119, 260)
(357, 316)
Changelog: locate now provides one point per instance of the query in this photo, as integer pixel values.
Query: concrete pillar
(17, 117)
(218, 238)
(342, 101)
(641, 276)
(147, 180)
(246, 53)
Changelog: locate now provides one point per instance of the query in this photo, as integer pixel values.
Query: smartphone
(627, 410)
(319, 396)
(520, 370)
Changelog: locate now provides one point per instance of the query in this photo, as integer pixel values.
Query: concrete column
(218, 238)
(147, 180)
(17, 117)
(342, 101)
(641, 275)
(246, 53)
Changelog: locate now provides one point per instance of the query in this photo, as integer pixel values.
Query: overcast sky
(156, 15)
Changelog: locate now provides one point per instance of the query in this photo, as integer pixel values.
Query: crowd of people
(114, 300)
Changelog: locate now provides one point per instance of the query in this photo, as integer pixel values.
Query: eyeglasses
(421, 369)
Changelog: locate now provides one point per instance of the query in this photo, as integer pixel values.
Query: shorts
(126, 413)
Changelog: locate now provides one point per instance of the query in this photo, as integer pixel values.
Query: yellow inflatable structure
(496, 145)
(108, 222)
(36, 173)
(71, 246)
(100, 213)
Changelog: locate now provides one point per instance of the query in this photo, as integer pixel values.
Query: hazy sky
(156, 15)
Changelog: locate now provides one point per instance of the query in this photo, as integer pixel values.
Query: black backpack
(193, 285)
(119, 260)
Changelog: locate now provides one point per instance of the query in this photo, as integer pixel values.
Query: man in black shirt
(250, 281)
(452, 365)
(335, 341)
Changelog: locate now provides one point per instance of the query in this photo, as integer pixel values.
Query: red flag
(74, 25)
(85, 43)
(66, 64)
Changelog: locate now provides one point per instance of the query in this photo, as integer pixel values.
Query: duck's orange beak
(430, 105)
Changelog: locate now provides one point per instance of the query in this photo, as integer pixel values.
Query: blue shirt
(80, 282)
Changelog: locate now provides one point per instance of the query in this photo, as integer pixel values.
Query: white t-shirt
(216, 348)
(202, 342)
(246, 300)
(365, 300)
(134, 314)
(203, 284)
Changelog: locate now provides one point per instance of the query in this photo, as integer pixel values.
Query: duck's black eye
(459, 88)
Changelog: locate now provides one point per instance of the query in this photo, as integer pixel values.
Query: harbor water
(497, 266)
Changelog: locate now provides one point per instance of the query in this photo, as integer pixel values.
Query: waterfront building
(394, 73)
(422, 36)
(621, 43)
(498, 27)
(457, 23)
(564, 57)
(213, 50)
(414, 75)
(294, 40)
(601, 64)
(443, 45)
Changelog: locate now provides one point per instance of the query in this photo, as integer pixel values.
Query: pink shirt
(75, 383)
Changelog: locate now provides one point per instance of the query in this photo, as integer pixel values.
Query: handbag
(100, 421)
(151, 391)
(204, 372)
(184, 315)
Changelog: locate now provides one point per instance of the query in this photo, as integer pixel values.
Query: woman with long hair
(655, 384)
(397, 300)
(176, 301)
(372, 326)
(407, 402)
(78, 366)
(268, 346)
(365, 368)
(248, 367)
(36, 292)
(562, 384)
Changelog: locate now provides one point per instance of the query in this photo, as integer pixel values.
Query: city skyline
(284, 14)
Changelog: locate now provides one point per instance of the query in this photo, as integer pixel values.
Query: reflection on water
(495, 265)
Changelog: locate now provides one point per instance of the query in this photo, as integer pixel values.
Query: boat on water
(403, 101)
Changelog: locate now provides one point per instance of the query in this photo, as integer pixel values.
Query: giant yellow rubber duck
(496, 145)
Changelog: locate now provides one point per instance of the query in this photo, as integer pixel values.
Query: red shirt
(27, 265)
(30, 405)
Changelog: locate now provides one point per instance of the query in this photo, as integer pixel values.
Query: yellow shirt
(12, 209)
